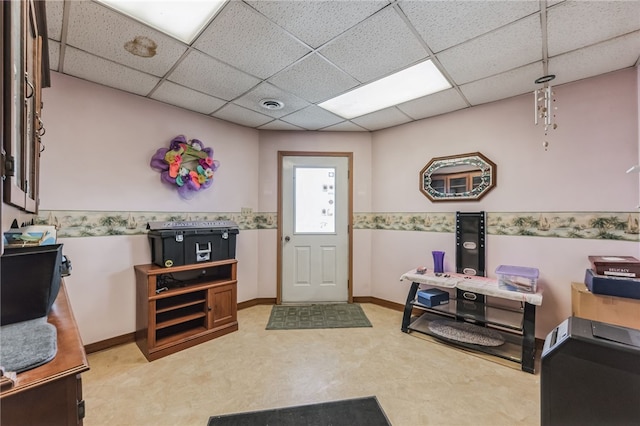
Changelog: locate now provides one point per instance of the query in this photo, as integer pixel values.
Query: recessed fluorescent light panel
(180, 19)
(411, 83)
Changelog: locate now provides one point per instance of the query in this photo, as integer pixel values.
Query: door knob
(287, 239)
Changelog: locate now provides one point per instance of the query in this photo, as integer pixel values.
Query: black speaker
(470, 243)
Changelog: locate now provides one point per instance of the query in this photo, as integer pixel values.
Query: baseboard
(379, 302)
(254, 302)
(131, 337)
(110, 343)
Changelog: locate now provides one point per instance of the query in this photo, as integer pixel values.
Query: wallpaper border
(623, 226)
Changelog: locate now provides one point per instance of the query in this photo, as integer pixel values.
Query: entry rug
(348, 412)
(338, 315)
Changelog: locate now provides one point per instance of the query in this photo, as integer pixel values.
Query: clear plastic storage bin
(517, 278)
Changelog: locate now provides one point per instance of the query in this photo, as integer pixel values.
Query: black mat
(349, 412)
(335, 315)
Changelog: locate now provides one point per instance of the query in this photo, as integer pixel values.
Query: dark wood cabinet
(50, 394)
(24, 73)
(182, 306)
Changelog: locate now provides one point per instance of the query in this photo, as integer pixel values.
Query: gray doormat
(348, 412)
(338, 315)
(27, 344)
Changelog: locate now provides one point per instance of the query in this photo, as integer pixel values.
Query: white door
(315, 229)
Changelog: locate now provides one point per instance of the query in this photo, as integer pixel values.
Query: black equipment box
(185, 243)
(590, 375)
(30, 282)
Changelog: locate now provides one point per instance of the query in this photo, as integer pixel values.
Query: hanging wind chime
(544, 106)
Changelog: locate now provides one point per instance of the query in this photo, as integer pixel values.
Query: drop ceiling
(305, 52)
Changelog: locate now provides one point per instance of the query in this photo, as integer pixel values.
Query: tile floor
(417, 382)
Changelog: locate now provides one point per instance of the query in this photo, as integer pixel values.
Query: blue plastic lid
(521, 271)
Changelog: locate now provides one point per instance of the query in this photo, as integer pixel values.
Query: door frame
(349, 156)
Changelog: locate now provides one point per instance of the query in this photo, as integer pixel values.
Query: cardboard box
(609, 309)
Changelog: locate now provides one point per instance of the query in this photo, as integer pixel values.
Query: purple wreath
(185, 165)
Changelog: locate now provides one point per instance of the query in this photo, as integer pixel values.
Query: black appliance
(30, 282)
(590, 375)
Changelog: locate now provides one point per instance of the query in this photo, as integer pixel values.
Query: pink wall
(99, 142)
(589, 152)
(583, 170)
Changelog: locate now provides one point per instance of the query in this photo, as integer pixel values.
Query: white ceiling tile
(314, 79)
(54, 54)
(443, 24)
(387, 117)
(205, 74)
(575, 24)
(312, 118)
(103, 32)
(367, 53)
(252, 100)
(240, 115)
(510, 47)
(345, 126)
(316, 22)
(279, 125)
(266, 48)
(505, 85)
(54, 9)
(621, 52)
(436, 104)
(92, 68)
(486, 56)
(183, 97)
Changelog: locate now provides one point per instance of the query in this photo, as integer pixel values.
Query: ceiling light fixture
(544, 106)
(414, 82)
(180, 19)
(271, 104)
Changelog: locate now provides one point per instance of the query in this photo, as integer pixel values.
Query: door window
(314, 202)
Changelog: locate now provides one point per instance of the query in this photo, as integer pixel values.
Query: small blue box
(612, 286)
(433, 297)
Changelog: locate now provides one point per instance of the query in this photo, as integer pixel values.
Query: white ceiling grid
(305, 52)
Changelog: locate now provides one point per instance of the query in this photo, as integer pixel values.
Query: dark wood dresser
(52, 393)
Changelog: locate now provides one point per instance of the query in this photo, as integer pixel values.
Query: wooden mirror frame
(476, 170)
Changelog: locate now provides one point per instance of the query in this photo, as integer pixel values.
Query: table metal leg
(529, 338)
(408, 307)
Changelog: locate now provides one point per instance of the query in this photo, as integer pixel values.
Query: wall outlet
(246, 210)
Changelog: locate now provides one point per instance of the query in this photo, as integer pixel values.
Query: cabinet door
(223, 305)
(21, 104)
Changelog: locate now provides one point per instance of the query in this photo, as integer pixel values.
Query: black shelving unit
(516, 324)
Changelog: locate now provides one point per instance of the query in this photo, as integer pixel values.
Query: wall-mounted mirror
(465, 177)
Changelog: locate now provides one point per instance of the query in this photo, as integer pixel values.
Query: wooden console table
(50, 394)
(182, 306)
(478, 300)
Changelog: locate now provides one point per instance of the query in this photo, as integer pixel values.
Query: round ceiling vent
(271, 104)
